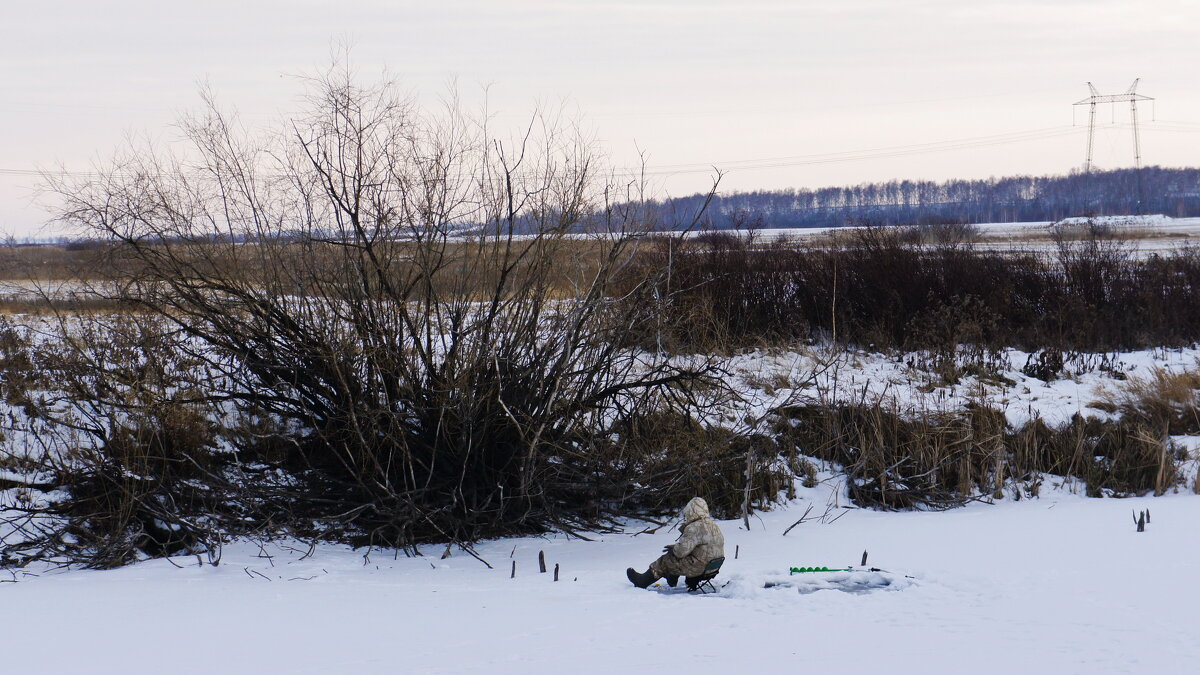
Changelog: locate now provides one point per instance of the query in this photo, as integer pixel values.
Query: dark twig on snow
(801, 520)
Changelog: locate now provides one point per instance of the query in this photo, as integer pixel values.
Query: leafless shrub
(373, 305)
(940, 234)
(118, 458)
(954, 338)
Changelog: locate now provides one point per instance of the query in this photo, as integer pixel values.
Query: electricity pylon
(1132, 97)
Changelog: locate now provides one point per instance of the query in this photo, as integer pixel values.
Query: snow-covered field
(770, 377)
(1060, 584)
(1144, 234)
(1149, 225)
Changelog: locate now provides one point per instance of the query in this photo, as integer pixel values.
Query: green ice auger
(801, 570)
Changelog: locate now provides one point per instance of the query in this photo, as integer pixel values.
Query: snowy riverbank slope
(1060, 584)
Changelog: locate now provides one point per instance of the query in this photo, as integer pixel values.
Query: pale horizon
(764, 91)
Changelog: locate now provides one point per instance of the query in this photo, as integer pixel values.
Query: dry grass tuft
(1166, 399)
(898, 459)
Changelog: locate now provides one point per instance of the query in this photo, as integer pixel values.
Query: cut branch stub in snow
(1140, 520)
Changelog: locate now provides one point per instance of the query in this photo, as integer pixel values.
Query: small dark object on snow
(864, 560)
(1141, 519)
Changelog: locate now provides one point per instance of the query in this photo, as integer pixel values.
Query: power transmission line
(864, 154)
(876, 153)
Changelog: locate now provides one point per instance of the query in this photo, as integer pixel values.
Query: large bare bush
(398, 310)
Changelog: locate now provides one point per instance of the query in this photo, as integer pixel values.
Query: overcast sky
(692, 83)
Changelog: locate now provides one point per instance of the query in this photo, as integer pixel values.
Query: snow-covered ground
(1057, 584)
(768, 377)
(1060, 584)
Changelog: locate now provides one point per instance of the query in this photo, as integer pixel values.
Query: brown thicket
(885, 288)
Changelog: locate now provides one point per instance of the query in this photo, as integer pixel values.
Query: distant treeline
(1172, 192)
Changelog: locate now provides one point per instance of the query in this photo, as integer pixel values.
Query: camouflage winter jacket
(699, 542)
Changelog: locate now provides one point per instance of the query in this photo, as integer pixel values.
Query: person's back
(700, 541)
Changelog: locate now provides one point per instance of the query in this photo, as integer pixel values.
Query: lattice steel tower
(1132, 97)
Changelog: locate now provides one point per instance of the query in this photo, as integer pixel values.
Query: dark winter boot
(642, 579)
(672, 579)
